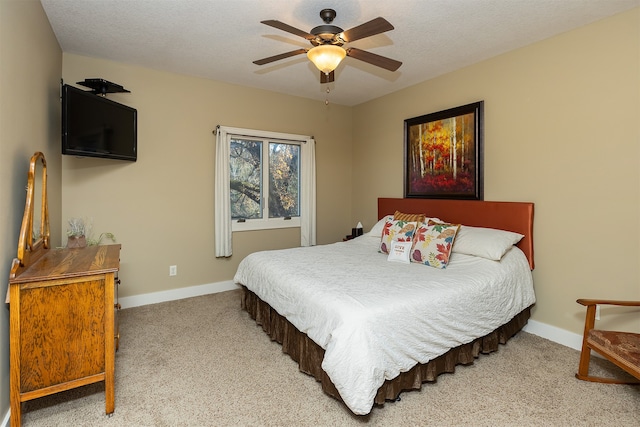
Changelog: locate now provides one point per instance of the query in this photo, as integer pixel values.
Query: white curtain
(222, 196)
(308, 198)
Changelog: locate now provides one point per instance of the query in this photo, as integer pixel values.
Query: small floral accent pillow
(398, 230)
(432, 244)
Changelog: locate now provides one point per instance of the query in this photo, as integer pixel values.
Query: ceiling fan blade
(324, 78)
(373, 59)
(371, 28)
(279, 57)
(288, 28)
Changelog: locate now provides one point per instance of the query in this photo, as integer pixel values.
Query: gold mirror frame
(31, 247)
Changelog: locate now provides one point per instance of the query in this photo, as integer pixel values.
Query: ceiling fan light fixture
(326, 57)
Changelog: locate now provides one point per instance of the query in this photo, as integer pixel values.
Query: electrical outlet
(597, 312)
(173, 270)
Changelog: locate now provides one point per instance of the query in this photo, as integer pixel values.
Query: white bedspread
(376, 318)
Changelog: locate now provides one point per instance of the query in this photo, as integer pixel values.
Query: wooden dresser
(63, 309)
(62, 324)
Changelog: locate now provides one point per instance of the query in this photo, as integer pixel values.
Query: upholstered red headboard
(510, 216)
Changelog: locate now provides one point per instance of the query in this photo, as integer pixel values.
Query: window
(264, 183)
(275, 184)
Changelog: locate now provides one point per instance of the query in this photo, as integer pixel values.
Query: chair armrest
(588, 302)
(591, 304)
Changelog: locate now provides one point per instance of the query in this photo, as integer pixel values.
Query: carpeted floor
(204, 362)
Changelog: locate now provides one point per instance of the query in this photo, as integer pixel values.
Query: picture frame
(432, 169)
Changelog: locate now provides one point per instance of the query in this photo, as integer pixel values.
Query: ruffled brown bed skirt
(309, 355)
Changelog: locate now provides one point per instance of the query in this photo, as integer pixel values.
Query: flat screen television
(94, 126)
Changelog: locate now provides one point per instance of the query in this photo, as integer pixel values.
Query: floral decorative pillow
(401, 231)
(432, 244)
(376, 230)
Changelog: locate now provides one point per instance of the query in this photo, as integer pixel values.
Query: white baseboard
(176, 294)
(555, 334)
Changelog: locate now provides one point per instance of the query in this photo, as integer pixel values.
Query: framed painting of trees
(444, 154)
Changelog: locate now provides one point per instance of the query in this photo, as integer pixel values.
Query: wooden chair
(621, 348)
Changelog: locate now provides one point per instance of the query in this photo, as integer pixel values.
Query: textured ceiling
(219, 39)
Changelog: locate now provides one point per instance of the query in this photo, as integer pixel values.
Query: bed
(368, 328)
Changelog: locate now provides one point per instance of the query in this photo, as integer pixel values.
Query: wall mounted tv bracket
(102, 86)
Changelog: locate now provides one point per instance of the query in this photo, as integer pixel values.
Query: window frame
(266, 223)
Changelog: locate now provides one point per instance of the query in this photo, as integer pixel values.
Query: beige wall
(30, 68)
(161, 207)
(562, 129)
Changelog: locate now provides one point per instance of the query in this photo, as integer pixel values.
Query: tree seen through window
(264, 174)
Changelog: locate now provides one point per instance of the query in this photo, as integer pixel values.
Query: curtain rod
(215, 132)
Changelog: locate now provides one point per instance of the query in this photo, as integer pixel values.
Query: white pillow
(487, 243)
(400, 251)
(376, 230)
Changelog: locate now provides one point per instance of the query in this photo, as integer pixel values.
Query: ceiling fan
(327, 41)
